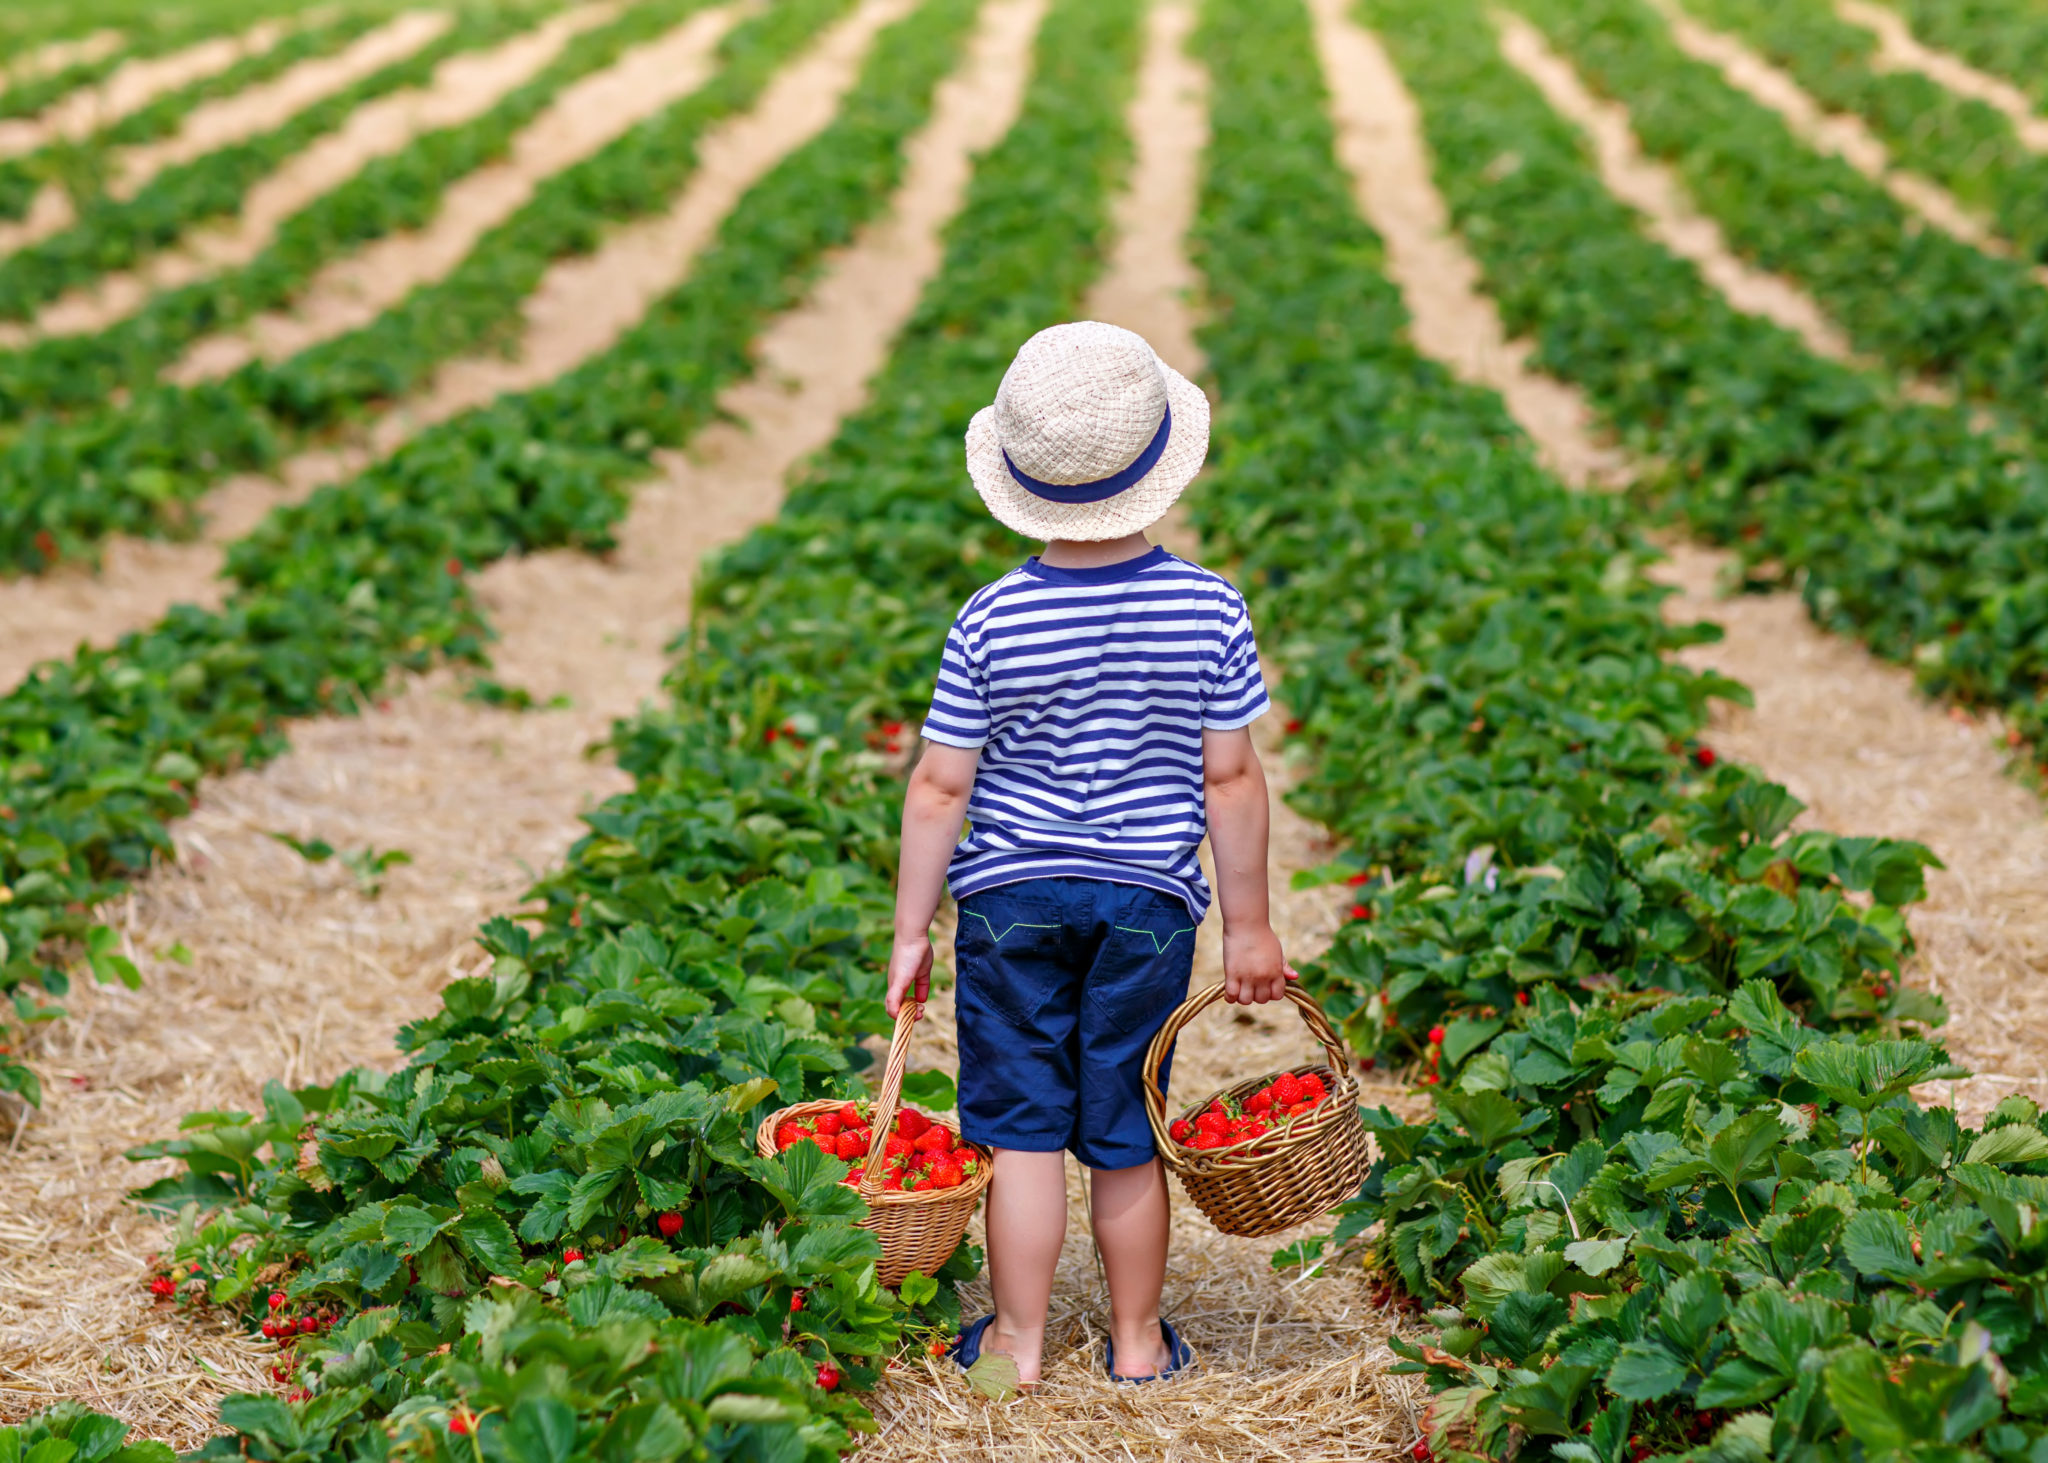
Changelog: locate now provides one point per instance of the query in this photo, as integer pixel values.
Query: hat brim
(1136, 508)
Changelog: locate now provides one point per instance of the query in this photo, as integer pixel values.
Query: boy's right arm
(934, 808)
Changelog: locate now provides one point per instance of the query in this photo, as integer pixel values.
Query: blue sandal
(1178, 1356)
(966, 1347)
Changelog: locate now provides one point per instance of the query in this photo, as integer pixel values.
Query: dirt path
(1380, 144)
(52, 57)
(1854, 740)
(1900, 50)
(462, 88)
(1653, 189)
(1852, 737)
(583, 118)
(1838, 134)
(133, 86)
(295, 975)
(1291, 1369)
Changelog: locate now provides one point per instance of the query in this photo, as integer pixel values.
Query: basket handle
(907, 1016)
(1312, 1016)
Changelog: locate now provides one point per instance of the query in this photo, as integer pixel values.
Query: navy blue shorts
(1062, 985)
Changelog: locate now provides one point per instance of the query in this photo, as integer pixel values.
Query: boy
(1089, 726)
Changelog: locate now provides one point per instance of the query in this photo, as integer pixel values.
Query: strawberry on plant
(1358, 878)
(670, 1224)
(796, 1301)
(1361, 911)
(163, 1285)
(1704, 756)
(572, 1257)
(277, 1299)
(828, 1376)
(1436, 1035)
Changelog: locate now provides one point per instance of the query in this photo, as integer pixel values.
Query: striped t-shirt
(1087, 691)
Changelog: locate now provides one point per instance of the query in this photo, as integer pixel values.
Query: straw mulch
(1854, 740)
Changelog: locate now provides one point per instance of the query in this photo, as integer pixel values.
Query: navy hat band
(1101, 488)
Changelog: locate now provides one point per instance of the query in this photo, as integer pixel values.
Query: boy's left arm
(934, 808)
(1255, 969)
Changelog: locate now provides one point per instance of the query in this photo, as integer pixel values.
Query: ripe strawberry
(163, 1285)
(935, 1139)
(828, 1376)
(947, 1176)
(460, 1424)
(1260, 1101)
(893, 1182)
(572, 1257)
(850, 1116)
(1212, 1138)
(1286, 1089)
(270, 1329)
(937, 1348)
(1212, 1122)
(670, 1224)
(787, 1134)
(1436, 1035)
(1521, 998)
(850, 1146)
(826, 1124)
(1312, 1089)
(1428, 1079)
(912, 1124)
(1704, 756)
(1180, 1130)
(1361, 912)
(1358, 878)
(796, 1301)
(1293, 726)
(854, 1177)
(1420, 1452)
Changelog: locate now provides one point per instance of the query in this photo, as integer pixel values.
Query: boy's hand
(1255, 970)
(910, 962)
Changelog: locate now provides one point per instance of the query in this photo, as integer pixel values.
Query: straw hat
(1092, 436)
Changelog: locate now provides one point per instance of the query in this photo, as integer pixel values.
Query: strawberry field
(483, 481)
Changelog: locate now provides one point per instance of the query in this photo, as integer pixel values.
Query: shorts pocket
(1008, 955)
(1143, 972)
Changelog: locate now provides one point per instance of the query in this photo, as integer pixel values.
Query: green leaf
(1644, 1372)
(918, 1289)
(1596, 1256)
(2012, 1144)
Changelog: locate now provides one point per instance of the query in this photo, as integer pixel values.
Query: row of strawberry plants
(366, 579)
(1672, 1199)
(113, 234)
(2008, 38)
(1967, 145)
(392, 194)
(550, 1222)
(80, 166)
(1905, 292)
(138, 467)
(1901, 523)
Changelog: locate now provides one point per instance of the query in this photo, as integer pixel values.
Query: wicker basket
(918, 1231)
(1298, 1174)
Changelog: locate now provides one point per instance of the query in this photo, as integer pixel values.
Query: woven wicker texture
(1080, 403)
(1297, 1173)
(918, 1231)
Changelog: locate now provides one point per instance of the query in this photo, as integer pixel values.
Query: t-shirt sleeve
(959, 714)
(1236, 696)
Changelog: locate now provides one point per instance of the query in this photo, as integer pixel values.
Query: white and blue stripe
(1087, 691)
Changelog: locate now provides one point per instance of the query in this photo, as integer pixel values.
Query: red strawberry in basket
(851, 1146)
(1286, 1090)
(934, 1139)
(912, 1124)
(1180, 1130)
(827, 1124)
(1211, 1138)
(948, 1176)
(1312, 1089)
(787, 1135)
(849, 1116)
(896, 1147)
(1259, 1101)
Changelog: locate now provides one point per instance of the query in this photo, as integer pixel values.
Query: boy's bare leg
(1027, 1220)
(1129, 1207)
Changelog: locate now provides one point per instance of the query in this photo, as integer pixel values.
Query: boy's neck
(1069, 553)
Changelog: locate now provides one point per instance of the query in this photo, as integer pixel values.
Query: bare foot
(1140, 1352)
(1026, 1348)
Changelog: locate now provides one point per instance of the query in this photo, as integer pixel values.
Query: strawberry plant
(1904, 291)
(138, 467)
(2008, 38)
(1901, 523)
(394, 193)
(1968, 146)
(1674, 1197)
